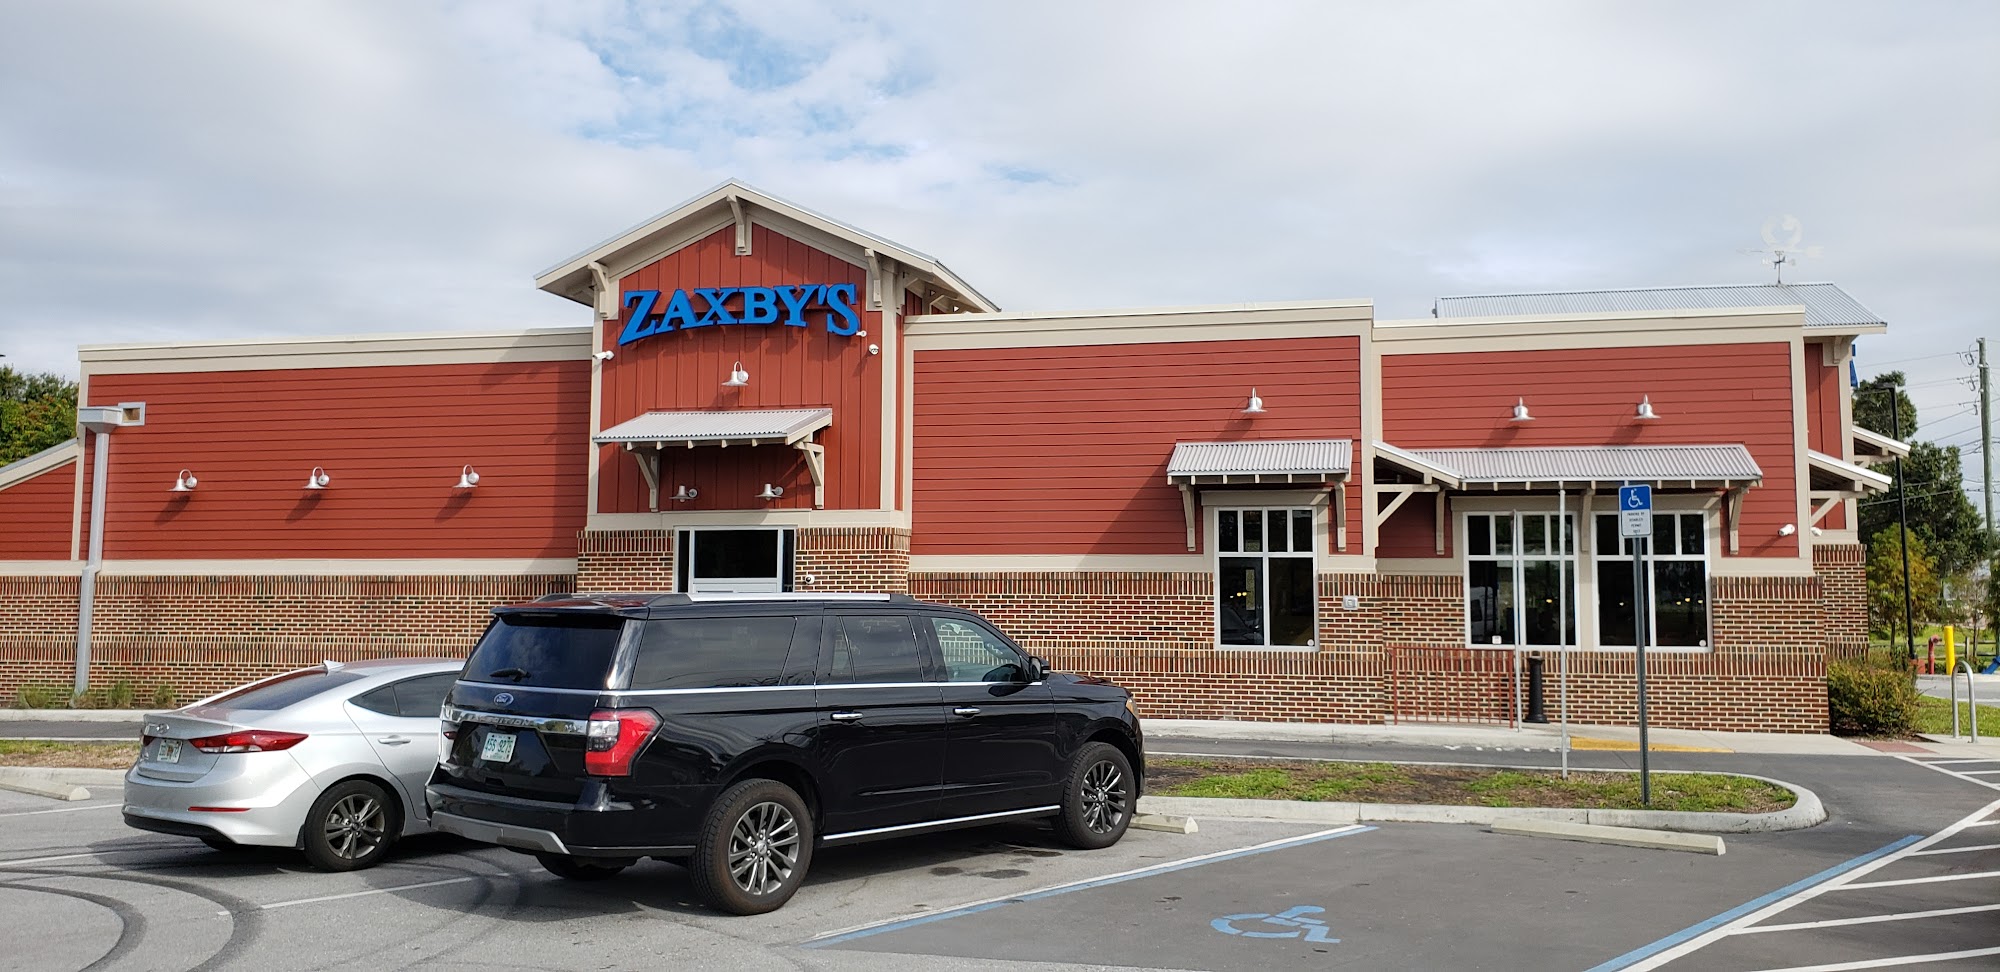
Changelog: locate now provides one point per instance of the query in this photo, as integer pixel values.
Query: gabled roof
(572, 277)
(1827, 306)
(28, 467)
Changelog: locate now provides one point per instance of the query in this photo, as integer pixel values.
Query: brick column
(1843, 579)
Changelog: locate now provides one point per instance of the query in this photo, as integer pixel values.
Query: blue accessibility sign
(1311, 929)
(1635, 511)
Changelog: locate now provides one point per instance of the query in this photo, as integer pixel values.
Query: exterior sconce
(317, 479)
(467, 477)
(605, 355)
(874, 349)
(1646, 413)
(1256, 406)
(184, 483)
(684, 494)
(1521, 411)
(771, 492)
(1787, 530)
(737, 377)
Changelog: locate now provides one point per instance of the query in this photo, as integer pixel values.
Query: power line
(1927, 357)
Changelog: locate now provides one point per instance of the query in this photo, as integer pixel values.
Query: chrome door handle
(847, 717)
(394, 740)
(966, 711)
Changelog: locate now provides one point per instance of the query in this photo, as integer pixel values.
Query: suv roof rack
(685, 598)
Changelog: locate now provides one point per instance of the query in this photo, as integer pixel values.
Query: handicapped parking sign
(1311, 929)
(1635, 511)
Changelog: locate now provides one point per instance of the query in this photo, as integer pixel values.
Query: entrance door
(746, 561)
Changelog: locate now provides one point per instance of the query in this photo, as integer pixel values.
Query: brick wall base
(1843, 577)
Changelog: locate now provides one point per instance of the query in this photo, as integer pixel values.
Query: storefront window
(1679, 582)
(1264, 578)
(1520, 580)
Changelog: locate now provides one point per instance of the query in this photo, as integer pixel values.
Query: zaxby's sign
(705, 307)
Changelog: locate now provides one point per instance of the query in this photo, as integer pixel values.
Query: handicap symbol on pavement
(1313, 929)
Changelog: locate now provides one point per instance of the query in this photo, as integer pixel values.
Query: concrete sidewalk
(1528, 738)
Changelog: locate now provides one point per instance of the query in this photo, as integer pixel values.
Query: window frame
(1316, 533)
(1653, 559)
(685, 542)
(941, 666)
(1518, 558)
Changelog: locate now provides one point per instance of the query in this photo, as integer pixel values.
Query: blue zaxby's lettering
(705, 307)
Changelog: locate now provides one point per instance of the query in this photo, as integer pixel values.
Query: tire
(762, 825)
(579, 869)
(351, 826)
(1099, 796)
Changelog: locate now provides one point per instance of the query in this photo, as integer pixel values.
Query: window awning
(1833, 474)
(1267, 461)
(1873, 446)
(648, 435)
(736, 426)
(1544, 467)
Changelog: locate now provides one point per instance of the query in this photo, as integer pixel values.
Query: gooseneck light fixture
(684, 494)
(1646, 413)
(771, 492)
(1521, 411)
(184, 483)
(1256, 406)
(737, 376)
(317, 479)
(468, 477)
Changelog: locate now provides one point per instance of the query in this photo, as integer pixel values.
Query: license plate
(169, 751)
(499, 747)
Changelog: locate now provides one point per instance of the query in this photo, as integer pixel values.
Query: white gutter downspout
(100, 420)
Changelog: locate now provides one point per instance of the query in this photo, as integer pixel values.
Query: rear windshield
(286, 690)
(549, 650)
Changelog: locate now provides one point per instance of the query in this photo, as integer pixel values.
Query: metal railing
(1971, 696)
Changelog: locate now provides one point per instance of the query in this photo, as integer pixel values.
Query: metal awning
(1873, 446)
(736, 426)
(1829, 473)
(648, 435)
(1266, 461)
(1530, 467)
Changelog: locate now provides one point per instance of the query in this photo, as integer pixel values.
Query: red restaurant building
(1281, 511)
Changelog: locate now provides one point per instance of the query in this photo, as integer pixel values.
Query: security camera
(604, 355)
(1787, 530)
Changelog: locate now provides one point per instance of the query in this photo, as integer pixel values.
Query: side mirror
(1038, 668)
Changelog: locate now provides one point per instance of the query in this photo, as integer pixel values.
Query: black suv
(736, 733)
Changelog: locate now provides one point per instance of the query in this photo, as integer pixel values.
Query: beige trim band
(304, 567)
(49, 461)
(1238, 322)
(983, 563)
(895, 519)
(1627, 329)
(348, 351)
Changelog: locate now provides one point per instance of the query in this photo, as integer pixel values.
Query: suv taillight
(248, 741)
(617, 735)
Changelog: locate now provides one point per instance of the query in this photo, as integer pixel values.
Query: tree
(1871, 405)
(1940, 513)
(36, 412)
(1885, 583)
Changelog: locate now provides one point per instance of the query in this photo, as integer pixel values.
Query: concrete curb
(1165, 823)
(1622, 836)
(66, 775)
(75, 715)
(1805, 811)
(54, 791)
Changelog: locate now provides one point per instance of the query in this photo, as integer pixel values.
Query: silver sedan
(330, 759)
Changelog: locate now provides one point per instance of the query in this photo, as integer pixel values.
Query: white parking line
(1941, 762)
(1885, 963)
(1957, 850)
(1967, 776)
(1899, 882)
(362, 894)
(1977, 772)
(1869, 919)
(1985, 823)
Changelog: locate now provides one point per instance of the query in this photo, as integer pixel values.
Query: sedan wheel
(350, 827)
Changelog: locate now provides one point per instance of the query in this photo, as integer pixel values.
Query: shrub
(43, 696)
(163, 696)
(119, 695)
(1871, 698)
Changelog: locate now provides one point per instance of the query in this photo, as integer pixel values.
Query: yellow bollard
(1950, 650)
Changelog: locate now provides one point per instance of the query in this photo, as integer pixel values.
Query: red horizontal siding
(1064, 450)
(790, 367)
(1731, 393)
(392, 438)
(36, 515)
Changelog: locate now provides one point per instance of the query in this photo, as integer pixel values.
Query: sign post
(1635, 523)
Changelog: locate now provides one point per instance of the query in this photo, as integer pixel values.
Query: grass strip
(87, 755)
(1457, 786)
(1934, 716)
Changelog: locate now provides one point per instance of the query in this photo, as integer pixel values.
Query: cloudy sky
(204, 170)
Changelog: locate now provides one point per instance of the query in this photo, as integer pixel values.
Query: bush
(163, 696)
(119, 695)
(43, 696)
(1871, 698)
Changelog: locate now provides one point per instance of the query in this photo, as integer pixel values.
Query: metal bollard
(1537, 708)
(1971, 697)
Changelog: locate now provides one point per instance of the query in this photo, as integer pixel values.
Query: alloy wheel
(763, 848)
(355, 825)
(1104, 796)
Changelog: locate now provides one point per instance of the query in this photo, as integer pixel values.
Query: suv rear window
(712, 652)
(287, 690)
(547, 650)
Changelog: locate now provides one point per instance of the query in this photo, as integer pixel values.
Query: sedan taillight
(617, 735)
(248, 741)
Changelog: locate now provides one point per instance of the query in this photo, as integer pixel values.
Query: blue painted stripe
(1079, 886)
(1646, 951)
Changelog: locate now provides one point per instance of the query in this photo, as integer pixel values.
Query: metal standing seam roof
(1226, 461)
(40, 462)
(1826, 305)
(784, 425)
(1846, 473)
(1602, 464)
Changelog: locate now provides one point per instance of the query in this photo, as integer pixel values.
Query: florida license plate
(499, 747)
(169, 751)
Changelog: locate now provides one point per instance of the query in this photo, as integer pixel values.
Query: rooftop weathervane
(1781, 244)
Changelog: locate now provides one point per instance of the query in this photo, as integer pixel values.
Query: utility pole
(1986, 434)
(1902, 520)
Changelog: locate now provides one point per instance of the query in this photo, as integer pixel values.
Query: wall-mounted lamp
(184, 483)
(874, 349)
(771, 492)
(737, 376)
(1817, 531)
(1256, 406)
(605, 355)
(1646, 413)
(684, 494)
(1521, 411)
(468, 477)
(317, 479)
(1787, 530)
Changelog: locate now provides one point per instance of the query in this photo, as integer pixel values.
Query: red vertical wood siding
(1713, 394)
(1823, 419)
(35, 515)
(1063, 450)
(790, 367)
(392, 438)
